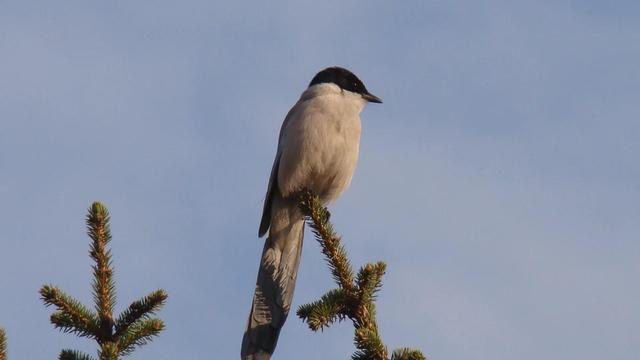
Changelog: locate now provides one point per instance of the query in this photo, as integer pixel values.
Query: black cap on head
(346, 80)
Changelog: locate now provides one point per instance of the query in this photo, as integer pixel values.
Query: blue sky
(499, 180)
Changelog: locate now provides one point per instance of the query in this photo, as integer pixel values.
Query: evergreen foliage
(3, 345)
(116, 337)
(354, 298)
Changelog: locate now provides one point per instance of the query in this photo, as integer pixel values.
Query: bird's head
(345, 80)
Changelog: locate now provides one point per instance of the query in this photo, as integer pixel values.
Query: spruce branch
(140, 309)
(71, 316)
(3, 345)
(369, 280)
(116, 338)
(103, 287)
(329, 309)
(354, 298)
(108, 351)
(318, 219)
(68, 354)
(138, 334)
(407, 354)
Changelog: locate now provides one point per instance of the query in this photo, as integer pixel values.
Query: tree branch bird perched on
(317, 150)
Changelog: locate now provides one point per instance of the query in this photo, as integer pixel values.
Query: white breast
(320, 141)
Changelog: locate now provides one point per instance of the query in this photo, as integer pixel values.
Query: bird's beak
(372, 98)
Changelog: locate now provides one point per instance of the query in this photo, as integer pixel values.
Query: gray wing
(268, 200)
(265, 222)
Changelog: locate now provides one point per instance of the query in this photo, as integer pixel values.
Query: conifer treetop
(116, 337)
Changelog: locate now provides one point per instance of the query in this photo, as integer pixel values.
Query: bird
(317, 150)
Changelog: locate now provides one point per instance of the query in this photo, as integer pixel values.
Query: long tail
(276, 280)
